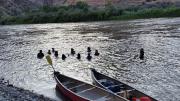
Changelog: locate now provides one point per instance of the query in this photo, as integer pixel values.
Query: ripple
(118, 43)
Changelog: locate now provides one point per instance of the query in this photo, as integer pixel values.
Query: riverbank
(149, 13)
(10, 93)
(83, 12)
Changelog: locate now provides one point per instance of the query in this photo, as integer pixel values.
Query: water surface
(118, 43)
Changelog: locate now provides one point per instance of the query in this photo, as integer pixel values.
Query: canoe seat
(67, 82)
(80, 88)
(86, 90)
(104, 98)
(77, 86)
(93, 94)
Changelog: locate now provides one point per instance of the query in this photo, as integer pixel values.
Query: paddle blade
(49, 60)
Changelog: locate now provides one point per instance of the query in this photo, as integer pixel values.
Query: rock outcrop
(15, 7)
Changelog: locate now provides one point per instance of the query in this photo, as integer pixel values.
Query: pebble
(10, 93)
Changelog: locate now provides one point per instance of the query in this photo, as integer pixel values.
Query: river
(118, 42)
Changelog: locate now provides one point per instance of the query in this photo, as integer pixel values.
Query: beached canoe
(119, 88)
(77, 90)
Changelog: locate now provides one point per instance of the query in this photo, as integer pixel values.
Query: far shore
(81, 12)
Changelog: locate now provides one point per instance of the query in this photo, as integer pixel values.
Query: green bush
(82, 5)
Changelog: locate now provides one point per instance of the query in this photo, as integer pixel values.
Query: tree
(82, 5)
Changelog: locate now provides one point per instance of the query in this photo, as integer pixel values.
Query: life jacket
(141, 99)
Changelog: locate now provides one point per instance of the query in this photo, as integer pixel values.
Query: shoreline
(76, 14)
(8, 92)
(114, 19)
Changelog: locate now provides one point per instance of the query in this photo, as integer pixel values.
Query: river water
(118, 42)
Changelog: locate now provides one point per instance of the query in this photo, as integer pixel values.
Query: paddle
(49, 60)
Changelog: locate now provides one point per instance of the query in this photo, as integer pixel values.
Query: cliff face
(15, 7)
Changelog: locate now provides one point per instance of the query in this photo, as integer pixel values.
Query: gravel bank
(10, 93)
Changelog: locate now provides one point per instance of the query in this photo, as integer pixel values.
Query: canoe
(118, 88)
(77, 90)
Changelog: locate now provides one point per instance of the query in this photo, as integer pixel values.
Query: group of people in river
(40, 55)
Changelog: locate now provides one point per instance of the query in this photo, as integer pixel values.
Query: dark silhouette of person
(89, 57)
(63, 56)
(141, 55)
(72, 51)
(89, 49)
(40, 55)
(96, 53)
(53, 50)
(79, 56)
(56, 54)
(49, 52)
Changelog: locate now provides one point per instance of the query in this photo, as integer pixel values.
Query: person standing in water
(72, 51)
(96, 53)
(56, 54)
(53, 50)
(49, 52)
(78, 56)
(141, 55)
(89, 49)
(63, 56)
(40, 55)
(89, 57)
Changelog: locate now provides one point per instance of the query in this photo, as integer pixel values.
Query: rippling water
(118, 42)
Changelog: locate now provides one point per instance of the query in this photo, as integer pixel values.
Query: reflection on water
(118, 43)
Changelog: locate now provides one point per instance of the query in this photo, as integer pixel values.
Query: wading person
(72, 51)
(78, 56)
(89, 57)
(63, 56)
(96, 53)
(49, 52)
(88, 49)
(53, 50)
(141, 55)
(56, 54)
(40, 55)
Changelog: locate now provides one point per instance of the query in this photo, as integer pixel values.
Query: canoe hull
(96, 76)
(77, 90)
(67, 93)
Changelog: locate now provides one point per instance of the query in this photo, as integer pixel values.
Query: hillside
(115, 2)
(16, 7)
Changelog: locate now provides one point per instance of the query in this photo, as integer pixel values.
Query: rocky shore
(10, 93)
